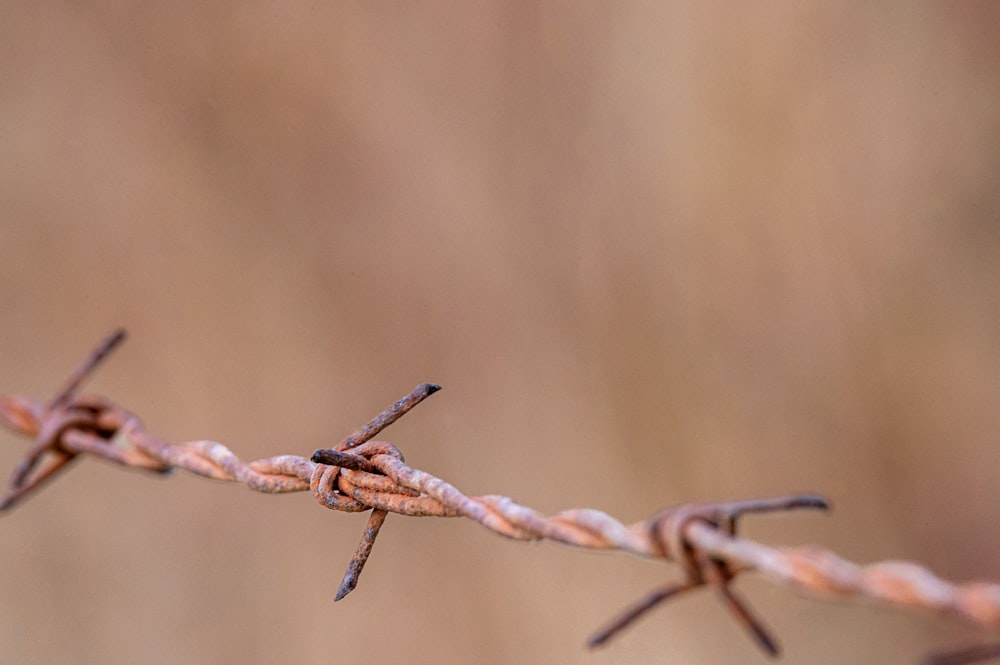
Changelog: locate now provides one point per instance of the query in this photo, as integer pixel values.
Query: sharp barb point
(346, 587)
(813, 501)
(87, 367)
(741, 612)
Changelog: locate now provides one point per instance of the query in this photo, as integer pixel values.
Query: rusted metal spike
(718, 577)
(342, 459)
(361, 552)
(25, 478)
(730, 513)
(741, 612)
(89, 364)
(337, 457)
(635, 612)
(368, 431)
(782, 503)
(21, 474)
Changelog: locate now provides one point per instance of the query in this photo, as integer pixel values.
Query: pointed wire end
(117, 337)
(636, 611)
(361, 554)
(332, 457)
(813, 501)
(765, 640)
(779, 504)
(604, 635)
(346, 587)
(90, 363)
(107, 345)
(324, 456)
(746, 618)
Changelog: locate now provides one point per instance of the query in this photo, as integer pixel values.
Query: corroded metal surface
(363, 474)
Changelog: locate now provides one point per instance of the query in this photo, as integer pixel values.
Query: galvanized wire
(362, 474)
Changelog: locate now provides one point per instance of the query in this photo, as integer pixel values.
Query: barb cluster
(363, 474)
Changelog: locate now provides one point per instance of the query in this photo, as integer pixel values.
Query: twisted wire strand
(362, 474)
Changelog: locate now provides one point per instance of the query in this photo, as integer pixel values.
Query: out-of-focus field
(654, 252)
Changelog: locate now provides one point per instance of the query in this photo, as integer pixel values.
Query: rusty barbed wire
(362, 474)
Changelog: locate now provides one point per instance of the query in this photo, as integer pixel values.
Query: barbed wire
(362, 474)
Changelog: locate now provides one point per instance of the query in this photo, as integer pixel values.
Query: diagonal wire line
(362, 474)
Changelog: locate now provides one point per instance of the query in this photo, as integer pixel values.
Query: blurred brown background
(654, 252)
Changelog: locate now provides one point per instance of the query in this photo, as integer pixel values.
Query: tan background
(654, 252)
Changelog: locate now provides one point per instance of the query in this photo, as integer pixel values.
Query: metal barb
(636, 611)
(362, 474)
(371, 429)
(702, 569)
(338, 457)
(87, 367)
(715, 574)
(48, 457)
(361, 553)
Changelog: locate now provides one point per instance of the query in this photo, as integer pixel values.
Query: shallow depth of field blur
(654, 252)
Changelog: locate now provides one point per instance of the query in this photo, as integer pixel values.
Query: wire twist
(361, 474)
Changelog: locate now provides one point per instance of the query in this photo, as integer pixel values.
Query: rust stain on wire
(362, 474)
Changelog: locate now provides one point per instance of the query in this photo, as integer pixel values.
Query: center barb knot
(352, 481)
(89, 421)
(669, 531)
